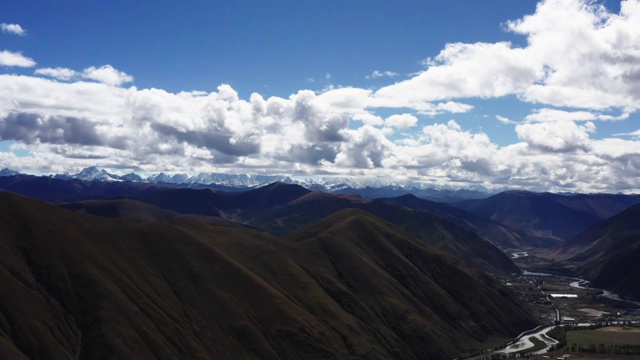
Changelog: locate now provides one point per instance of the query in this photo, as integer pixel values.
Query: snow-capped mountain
(132, 177)
(238, 180)
(94, 174)
(337, 183)
(371, 187)
(163, 178)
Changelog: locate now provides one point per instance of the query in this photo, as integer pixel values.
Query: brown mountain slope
(431, 229)
(492, 231)
(133, 209)
(384, 274)
(608, 253)
(536, 215)
(80, 286)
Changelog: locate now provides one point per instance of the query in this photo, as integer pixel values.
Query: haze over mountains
(145, 270)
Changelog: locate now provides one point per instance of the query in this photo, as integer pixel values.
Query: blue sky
(497, 93)
(274, 48)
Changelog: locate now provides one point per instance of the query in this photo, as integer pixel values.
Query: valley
(562, 301)
(282, 271)
(320, 180)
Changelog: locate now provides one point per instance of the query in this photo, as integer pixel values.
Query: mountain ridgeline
(120, 268)
(549, 218)
(283, 208)
(349, 286)
(608, 253)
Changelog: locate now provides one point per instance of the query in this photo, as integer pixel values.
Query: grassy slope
(424, 226)
(533, 214)
(494, 232)
(136, 289)
(609, 253)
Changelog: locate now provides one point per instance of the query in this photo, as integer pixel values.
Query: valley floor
(570, 302)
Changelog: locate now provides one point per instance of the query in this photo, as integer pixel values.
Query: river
(578, 284)
(524, 341)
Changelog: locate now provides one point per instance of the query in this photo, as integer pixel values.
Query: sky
(535, 95)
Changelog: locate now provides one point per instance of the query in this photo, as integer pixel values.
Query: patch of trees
(605, 349)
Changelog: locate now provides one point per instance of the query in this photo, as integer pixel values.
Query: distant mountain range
(367, 187)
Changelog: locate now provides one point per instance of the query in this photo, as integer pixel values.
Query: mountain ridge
(118, 288)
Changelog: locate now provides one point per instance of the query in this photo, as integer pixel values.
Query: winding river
(524, 341)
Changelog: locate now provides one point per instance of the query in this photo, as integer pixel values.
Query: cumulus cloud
(466, 70)
(589, 62)
(450, 107)
(57, 73)
(31, 128)
(582, 74)
(402, 121)
(368, 119)
(8, 58)
(80, 123)
(106, 74)
(367, 147)
(15, 29)
(556, 137)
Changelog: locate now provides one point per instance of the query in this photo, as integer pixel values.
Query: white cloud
(466, 70)
(505, 120)
(589, 62)
(576, 74)
(556, 137)
(15, 29)
(8, 58)
(106, 74)
(552, 115)
(367, 147)
(402, 121)
(348, 99)
(450, 107)
(377, 74)
(633, 134)
(65, 126)
(368, 119)
(547, 115)
(57, 73)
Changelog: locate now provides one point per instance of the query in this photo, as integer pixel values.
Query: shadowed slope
(494, 232)
(76, 285)
(50, 189)
(609, 252)
(372, 267)
(600, 205)
(237, 206)
(426, 227)
(533, 214)
(137, 210)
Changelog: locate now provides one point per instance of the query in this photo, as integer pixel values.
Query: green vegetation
(537, 345)
(559, 333)
(623, 342)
